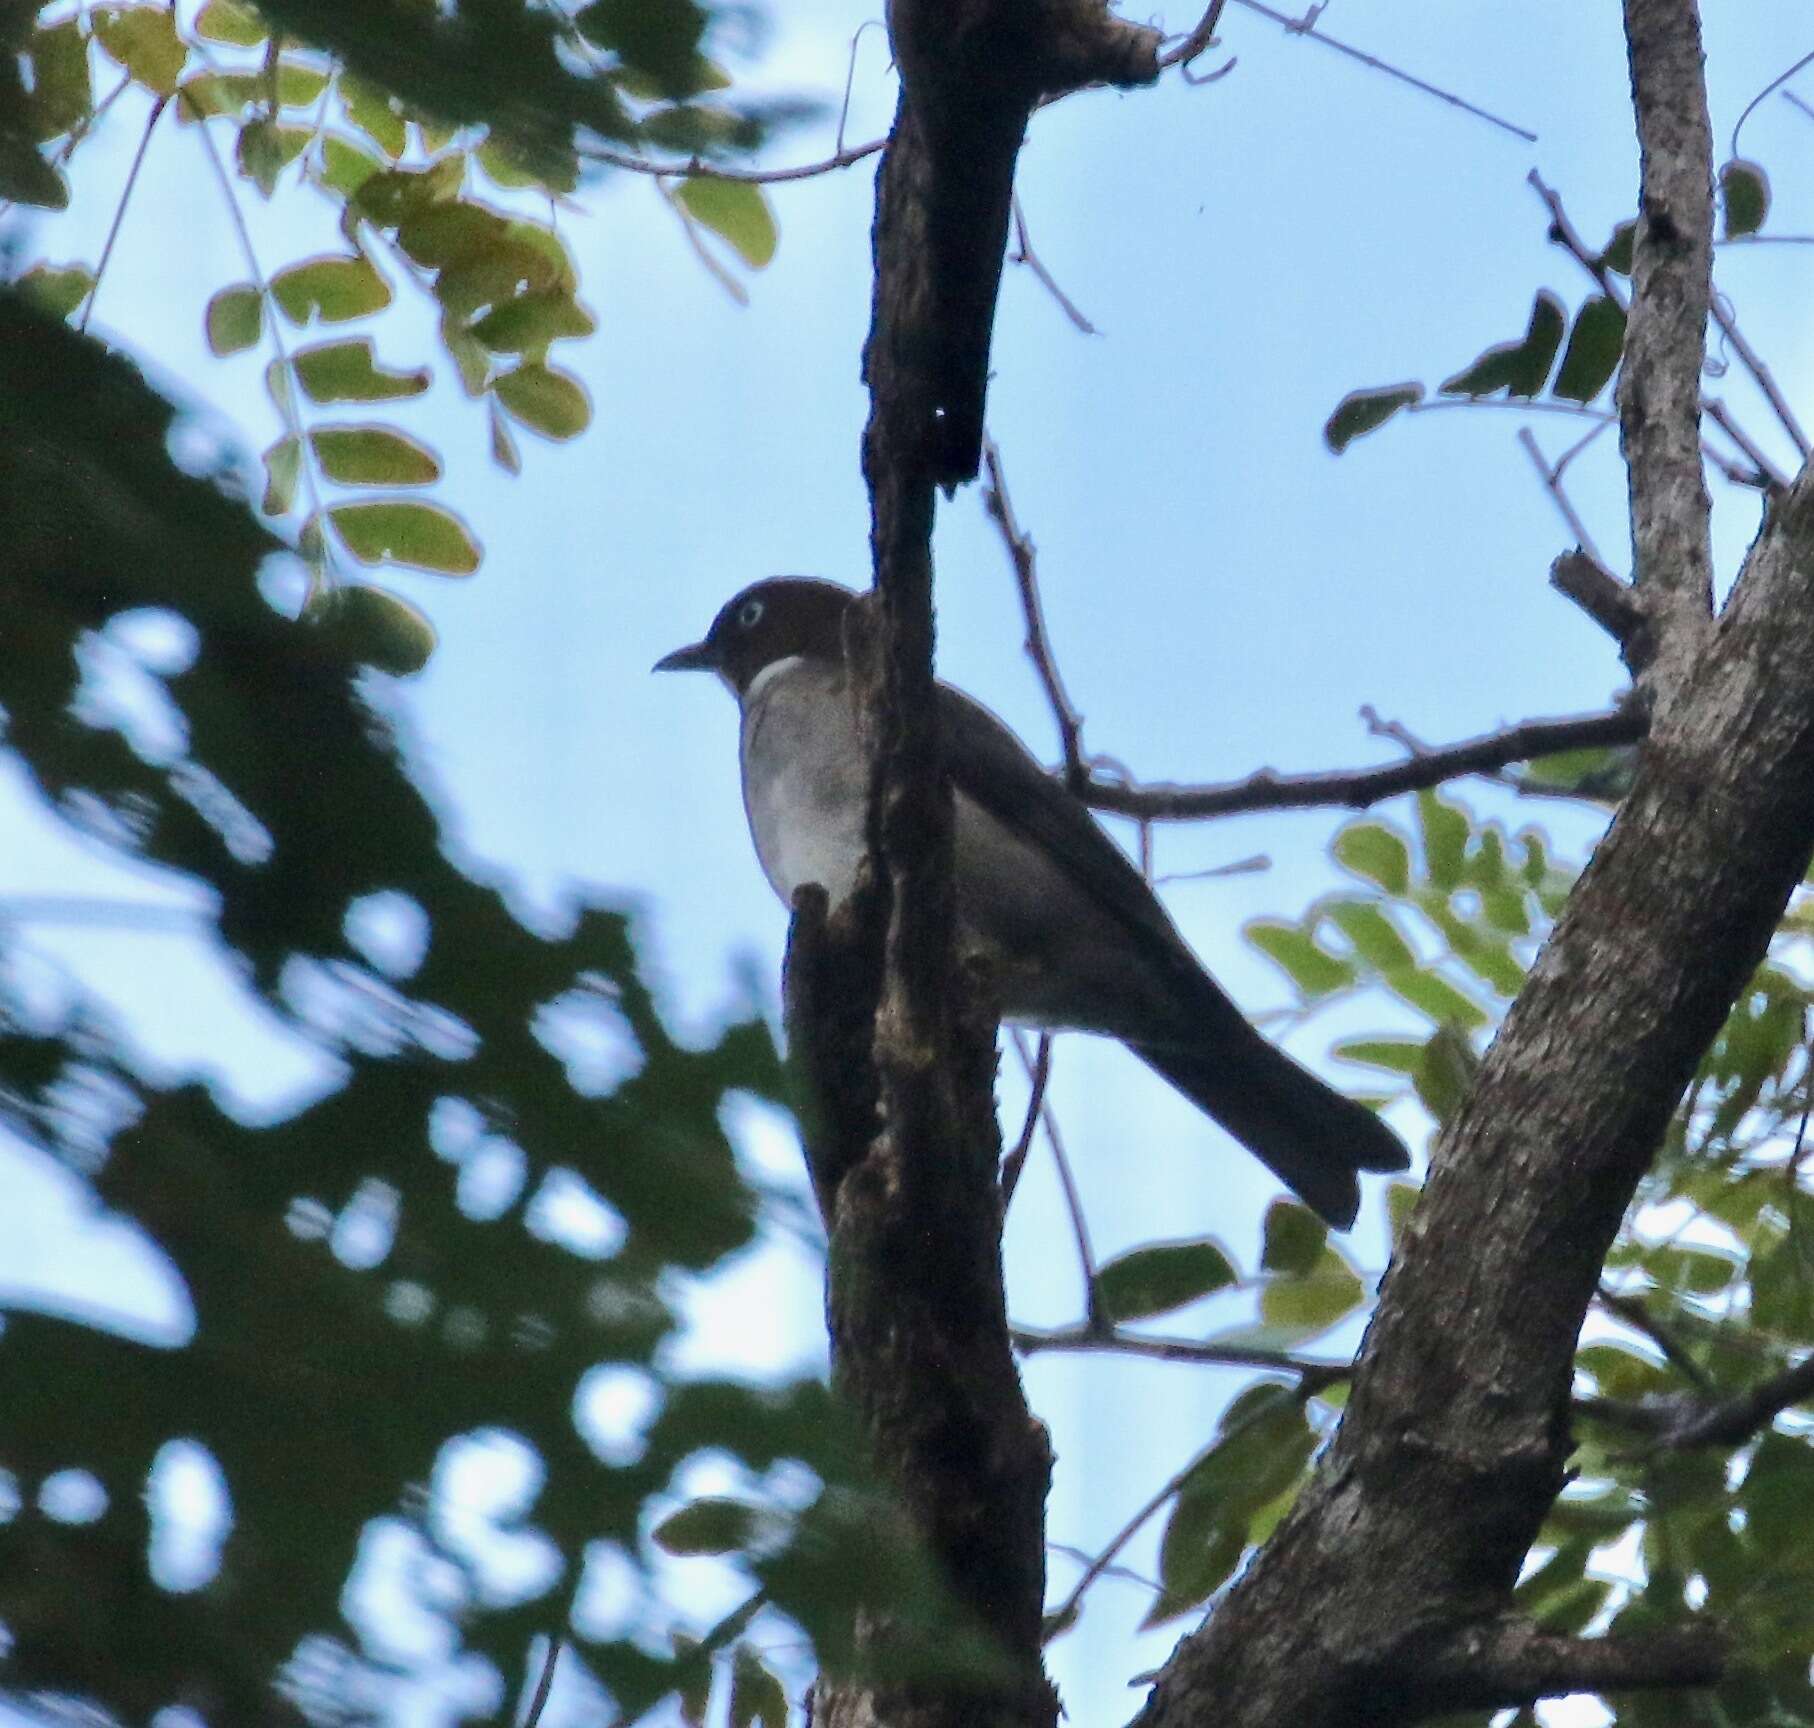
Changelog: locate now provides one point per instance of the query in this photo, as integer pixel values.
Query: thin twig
(1632, 1311)
(1516, 404)
(1764, 472)
(1601, 595)
(1015, 1162)
(119, 214)
(1775, 83)
(1552, 484)
(1761, 374)
(1796, 102)
(1022, 557)
(1083, 1557)
(1063, 1613)
(545, 1684)
(697, 168)
(1356, 788)
(1080, 1232)
(1298, 27)
(1199, 38)
(1312, 1375)
(1023, 253)
(1568, 237)
(850, 79)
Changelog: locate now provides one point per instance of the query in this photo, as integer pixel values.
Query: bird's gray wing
(989, 765)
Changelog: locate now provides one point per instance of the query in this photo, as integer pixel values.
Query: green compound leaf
(349, 372)
(530, 322)
(235, 319)
(374, 456)
(58, 288)
(1311, 967)
(546, 400)
(1162, 1276)
(283, 466)
(406, 531)
(374, 627)
(1745, 194)
(331, 289)
(1364, 411)
(230, 21)
(1594, 347)
(713, 1525)
(736, 212)
(144, 41)
(1518, 368)
(1376, 853)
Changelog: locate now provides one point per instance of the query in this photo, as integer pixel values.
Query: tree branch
(1665, 336)
(1454, 1444)
(1313, 1376)
(1510, 1661)
(1682, 1421)
(1356, 788)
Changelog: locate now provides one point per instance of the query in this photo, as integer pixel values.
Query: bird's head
(782, 618)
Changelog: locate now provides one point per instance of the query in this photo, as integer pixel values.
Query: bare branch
(1023, 253)
(1632, 1311)
(1039, 1073)
(1600, 594)
(1073, 1200)
(1201, 37)
(1305, 27)
(1665, 338)
(1511, 1661)
(1552, 483)
(1761, 375)
(1312, 1375)
(1568, 237)
(1682, 1421)
(1356, 788)
(1757, 101)
(697, 168)
(1038, 643)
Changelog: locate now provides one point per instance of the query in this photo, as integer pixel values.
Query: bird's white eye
(749, 615)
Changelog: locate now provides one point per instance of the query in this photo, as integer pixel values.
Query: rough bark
(1385, 1596)
(896, 1042)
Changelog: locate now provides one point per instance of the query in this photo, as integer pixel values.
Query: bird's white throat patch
(765, 679)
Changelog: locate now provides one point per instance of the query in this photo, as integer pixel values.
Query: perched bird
(1075, 935)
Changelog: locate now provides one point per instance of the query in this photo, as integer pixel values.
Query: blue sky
(1223, 593)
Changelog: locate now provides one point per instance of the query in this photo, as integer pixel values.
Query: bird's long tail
(1310, 1135)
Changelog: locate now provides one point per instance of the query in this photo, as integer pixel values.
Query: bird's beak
(695, 657)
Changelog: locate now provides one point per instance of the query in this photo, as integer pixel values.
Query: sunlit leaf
(59, 288)
(235, 318)
(283, 466)
(1375, 938)
(346, 166)
(1309, 965)
(1395, 1055)
(1444, 829)
(61, 95)
(1293, 1238)
(1162, 1276)
(373, 456)
(545, 399)
(349, 372)
(407, 531)
(230, 21)
(1376, 853)
(264, 150)
(530, 322)
(26, 178)
(144, 41)
(504, 451)
(375, 113)
(736, 212)
(331, 289)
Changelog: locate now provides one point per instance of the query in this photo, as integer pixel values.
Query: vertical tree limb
(907, 1141)
(1666, 338)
